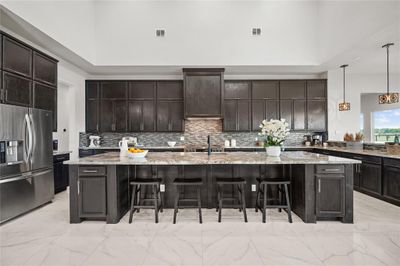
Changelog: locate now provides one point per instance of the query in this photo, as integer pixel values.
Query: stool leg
(199, 203)
(161, 199)
(264, 213)
(132, 203)
(244, 203)
(239, 197)
(216, 209)
(176, 204)
(138, 190)
(288, 204)
(155, 197)
(219, 203)
(258, 198)
(280, 197)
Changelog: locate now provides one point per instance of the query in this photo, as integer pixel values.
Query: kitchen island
(321, 186)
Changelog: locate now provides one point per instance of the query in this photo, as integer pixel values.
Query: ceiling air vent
(256, 31)
(160, 32)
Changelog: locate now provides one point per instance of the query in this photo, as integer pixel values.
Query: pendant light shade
(344, 106)
(388, 97)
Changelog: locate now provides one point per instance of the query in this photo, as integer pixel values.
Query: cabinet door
(316, 89)
(330, 196)
(92, 116)
(286, 112)
(113, 89)
(135, 116)
(17, 57)
(120, 115)
(371, 178)
(45, 97)
(170, 90)
(316, 115)
(17, 90)
(176, 116)
(92, 197)
(106, 117)
(58, 182)
(44, 69)
(149, 116)
(163, 116)
(299, 115)
(230, 115)
(257, 114)
(237, 90)
(271, 109)
(92, 90)
(243, 115)
(293, 89)
(391, 183)
(142, 116)
(266, 89)
(142, 90)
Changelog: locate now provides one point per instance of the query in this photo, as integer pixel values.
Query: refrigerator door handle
(24, 176)
(30, 137)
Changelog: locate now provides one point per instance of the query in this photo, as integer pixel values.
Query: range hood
(203, 93)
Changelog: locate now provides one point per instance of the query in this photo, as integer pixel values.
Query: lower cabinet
(391, 180)
(330, 195)
(61, 173)
(92, 192)
(371, 178)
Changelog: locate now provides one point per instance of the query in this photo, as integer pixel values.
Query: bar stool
(136, 201)
(262, 195)
(239, 183)
(182, 182)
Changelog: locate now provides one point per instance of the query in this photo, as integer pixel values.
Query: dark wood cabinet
(44, 69)
(17, 90)
(294, 113)
(61, 173)
(170, 116)
(316, 115)
(237, 106)
(92, 106)
(203, 92)
(142, 116)
(17, 57)
(113, 116)
(92, 196)
(391, 180)
(140, 90)
(45, 97)
(330, 191)
(170, 90)
(265, 89)
(263, 109)
(371, 178)
(293, 89)
(113, 90)
(316, 89)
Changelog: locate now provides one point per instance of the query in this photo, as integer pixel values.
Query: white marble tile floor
(44, 237)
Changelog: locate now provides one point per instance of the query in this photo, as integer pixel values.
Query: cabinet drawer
(330, 169)
(369, 159)
(392, 162)
(92, 170)
(60, 158)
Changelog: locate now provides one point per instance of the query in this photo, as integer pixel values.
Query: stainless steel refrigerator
(26, 160)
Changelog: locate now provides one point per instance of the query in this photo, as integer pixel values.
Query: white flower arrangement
(275, 131)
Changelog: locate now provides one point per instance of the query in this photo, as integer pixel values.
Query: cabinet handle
(332, 170)
(319, 185)
(97, 127)
(90, 171)
(78, 186)
(141, 127)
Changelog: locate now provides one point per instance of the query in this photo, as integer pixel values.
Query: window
(386, 125)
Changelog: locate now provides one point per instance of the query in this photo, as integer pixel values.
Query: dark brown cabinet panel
(293, 89)
(263, 109)
(330, 195)
(391, 180)
(286, 112)
(170, 116)
(163, 123)
(230, 115)
(299, 115)
(142, 90)
(113, 89)
(176, 116)
(316, 89)
(170, 90)
(113, 116)
(92, 196)
(316, 115)
(17, 57)
(45, 97)
(92, 116)
(120, 113)
(237, 90)
(371, 177)
(92, 90)
(142, 116)
(203, 94)
(237, 115)
(266, 89)
(44, 69)
(17, 90)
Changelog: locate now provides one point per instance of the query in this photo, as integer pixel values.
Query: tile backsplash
(196, 132)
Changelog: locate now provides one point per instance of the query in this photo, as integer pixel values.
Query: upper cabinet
(17, 57)
(293, 89)
(44, 69)
(237, 106)
(203, 92)
(316, 89)
(113, 89)
(142, 90)
(265, 102)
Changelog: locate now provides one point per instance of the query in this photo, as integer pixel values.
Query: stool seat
(147, 181)
(188, 181)
(273, 180)
(234, 180)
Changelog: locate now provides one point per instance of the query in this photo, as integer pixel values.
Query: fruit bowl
(137, 153)
(171, 143)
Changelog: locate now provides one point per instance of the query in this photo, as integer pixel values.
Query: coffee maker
(316, 139)
(306, 139)
(94, 141)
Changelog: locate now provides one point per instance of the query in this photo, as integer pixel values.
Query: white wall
(69, 22)
(349, 121)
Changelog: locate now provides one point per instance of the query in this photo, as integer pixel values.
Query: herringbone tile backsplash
(196, 132)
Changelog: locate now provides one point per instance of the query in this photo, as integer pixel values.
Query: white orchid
(275, 131)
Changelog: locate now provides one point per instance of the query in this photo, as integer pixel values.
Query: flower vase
(273, 151)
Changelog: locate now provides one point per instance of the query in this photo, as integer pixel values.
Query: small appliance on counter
(307, 140)
(94, 141)
(316, 139)
(55, 145)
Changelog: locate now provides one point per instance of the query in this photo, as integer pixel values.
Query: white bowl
(138, 155)
(171, 143)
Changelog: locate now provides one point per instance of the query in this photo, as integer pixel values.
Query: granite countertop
(361, 152)
(200, 158)
(61, 152)
(141, 147)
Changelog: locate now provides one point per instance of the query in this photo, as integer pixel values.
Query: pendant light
(388, 97)
(344, 106)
